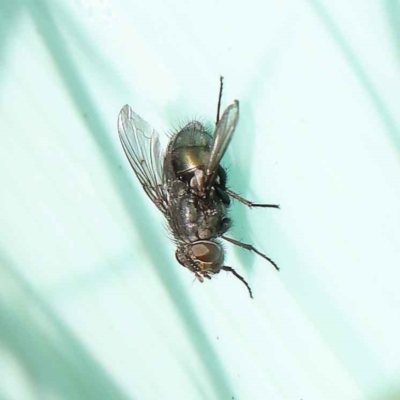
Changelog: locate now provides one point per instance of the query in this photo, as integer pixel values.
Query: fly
(189, 186)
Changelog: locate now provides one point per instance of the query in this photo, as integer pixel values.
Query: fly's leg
(230, 269)
(197, 183)
(221, 85)
(249, 247)
(248, 202)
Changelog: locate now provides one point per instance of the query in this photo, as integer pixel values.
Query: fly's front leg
(248, 202)
(251, 248)
(230, 269)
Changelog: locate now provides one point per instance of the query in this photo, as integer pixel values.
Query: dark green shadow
(51, 357)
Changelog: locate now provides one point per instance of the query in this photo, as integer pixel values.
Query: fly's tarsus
(221, 87)
(230, 269)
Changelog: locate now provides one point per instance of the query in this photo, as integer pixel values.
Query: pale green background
(93, 304)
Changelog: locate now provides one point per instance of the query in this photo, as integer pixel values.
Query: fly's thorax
(203, 257)
(194, 219)
(187, 151)
(187, 160)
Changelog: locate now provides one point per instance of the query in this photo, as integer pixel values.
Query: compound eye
(209, 255)
(206, 252)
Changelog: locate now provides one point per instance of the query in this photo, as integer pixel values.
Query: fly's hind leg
(249, 247)
(248, 202)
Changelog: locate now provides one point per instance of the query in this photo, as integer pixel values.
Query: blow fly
(189, 186)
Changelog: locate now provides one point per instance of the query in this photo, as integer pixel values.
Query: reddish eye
(209, 255)
(206, 252)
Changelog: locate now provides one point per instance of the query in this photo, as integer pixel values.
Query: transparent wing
(142, 148)
(221, 139)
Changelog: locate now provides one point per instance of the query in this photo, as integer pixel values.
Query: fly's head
(203, 257)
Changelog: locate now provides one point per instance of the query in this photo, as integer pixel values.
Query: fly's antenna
(230, 269)
(221, 86)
